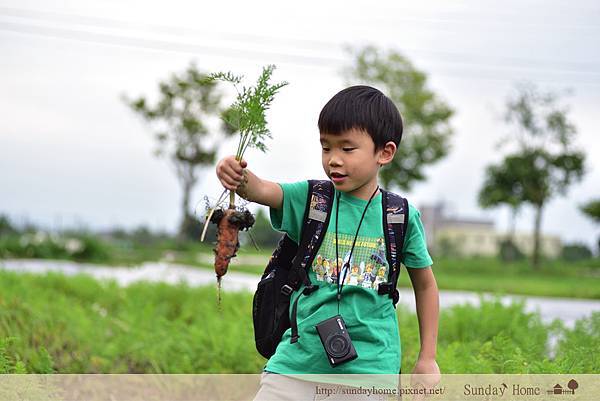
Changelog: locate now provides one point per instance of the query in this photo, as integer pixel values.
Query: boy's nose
(335, 161)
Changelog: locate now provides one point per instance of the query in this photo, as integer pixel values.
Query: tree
(592, 210)
(6, 228)
(545, 163)
(426, 118)
(511, 183)
(180, 123)
(572, 385)
(501, 188)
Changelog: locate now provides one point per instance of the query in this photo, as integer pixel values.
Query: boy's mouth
(337, 177)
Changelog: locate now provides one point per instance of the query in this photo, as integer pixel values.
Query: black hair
(366, 108)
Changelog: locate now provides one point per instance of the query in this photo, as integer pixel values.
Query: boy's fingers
(232, 180)
(232, 172)
(239, 166)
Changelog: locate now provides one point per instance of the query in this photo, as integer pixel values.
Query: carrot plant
(247, 115)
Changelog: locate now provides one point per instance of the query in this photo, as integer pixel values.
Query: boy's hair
(366, 108)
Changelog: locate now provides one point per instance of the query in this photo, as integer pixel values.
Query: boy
(360, 131)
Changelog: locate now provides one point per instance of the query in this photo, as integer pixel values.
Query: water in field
(566, 309)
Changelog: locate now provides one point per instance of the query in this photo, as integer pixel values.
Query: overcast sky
(72, 153)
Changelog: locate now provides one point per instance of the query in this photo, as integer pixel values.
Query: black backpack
(287, 269)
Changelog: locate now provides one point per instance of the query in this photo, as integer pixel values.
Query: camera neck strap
(346, 264)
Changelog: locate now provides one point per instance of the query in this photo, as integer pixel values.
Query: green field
(52, 323)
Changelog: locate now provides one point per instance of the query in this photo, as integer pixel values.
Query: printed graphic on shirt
(367, 267)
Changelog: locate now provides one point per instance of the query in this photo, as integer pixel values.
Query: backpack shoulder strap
(395, 223)
(316, 219)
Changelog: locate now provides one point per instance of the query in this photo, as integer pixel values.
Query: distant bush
(6, 227)
(43, 245)
(509, 251)
(576, 251)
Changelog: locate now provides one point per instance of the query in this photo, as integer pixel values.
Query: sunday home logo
(572, 385)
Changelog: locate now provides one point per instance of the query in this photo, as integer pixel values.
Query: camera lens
(337, 345)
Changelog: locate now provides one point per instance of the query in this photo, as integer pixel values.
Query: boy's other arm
(427, 303)
(235, 177)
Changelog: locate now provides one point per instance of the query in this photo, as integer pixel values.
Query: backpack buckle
(384, 288)
(309, 289)
(286, 290)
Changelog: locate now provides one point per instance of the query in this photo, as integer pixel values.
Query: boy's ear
(387, 153)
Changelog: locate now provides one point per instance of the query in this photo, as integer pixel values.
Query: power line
(244, 53)
(167, 29)
(163, 45)
(563, 65)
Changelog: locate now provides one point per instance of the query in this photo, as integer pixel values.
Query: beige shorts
(276, 387)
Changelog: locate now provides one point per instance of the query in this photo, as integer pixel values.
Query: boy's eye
(348, 149)
(325, 149)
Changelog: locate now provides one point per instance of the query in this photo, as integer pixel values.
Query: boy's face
(350, 161)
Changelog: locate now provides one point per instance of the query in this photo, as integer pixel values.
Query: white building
(471, 237)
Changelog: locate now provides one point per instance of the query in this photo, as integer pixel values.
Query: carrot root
(229, 223)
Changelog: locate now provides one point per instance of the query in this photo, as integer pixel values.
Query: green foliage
(500, 185)
(492, 339)
(247, 115)
(425, 116)
(91, 249)
(529, 176)
(592, 210)
(573, 353)
(573, 252)
(6, 228)
(509, 251)
(94, 327)
(10, 362)
(545, 163)
(42, 245)
(52, 323)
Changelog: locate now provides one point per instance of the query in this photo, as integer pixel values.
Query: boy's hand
(426, 374)
(230, 172)
(426, 366)
(236, 177)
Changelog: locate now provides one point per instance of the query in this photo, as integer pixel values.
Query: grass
(53, 323)
(556, 278)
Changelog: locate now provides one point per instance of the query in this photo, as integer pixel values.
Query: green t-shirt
(370, 318)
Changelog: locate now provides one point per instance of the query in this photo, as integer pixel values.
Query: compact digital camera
(336, 341)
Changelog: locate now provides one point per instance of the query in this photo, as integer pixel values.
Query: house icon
(558, 389)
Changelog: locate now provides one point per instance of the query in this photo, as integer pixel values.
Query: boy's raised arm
(234, 176)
